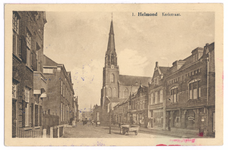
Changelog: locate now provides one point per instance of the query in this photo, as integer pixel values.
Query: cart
(129, 128)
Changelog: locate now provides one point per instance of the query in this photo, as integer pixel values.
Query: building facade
(120, 113)
(116, 87)
(60, 95)
(156, 98)
(190, 92)
(139, 107)
(28, 83)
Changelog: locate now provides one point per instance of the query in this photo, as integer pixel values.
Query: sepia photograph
(114, 72)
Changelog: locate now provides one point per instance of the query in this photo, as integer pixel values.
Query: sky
(79, 41)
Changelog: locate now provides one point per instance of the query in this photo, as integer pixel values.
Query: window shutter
(23, 49)
(31, 59)
(14, 44)
(18, 46)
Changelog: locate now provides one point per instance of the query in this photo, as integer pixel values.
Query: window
(14, 91)
(15, 22)
(16, 40)
(194, 89)
(161, 96)
(47, 70)
(151, 98)
(61, 87)
(156, 97)
(27, 95)
(29, 46)
(112, 78)
(61, 115)
(174, 92)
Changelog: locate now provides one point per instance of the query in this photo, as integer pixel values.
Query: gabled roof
(48, 61)
(133, 80)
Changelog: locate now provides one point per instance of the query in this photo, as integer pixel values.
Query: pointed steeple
(111, 40)
(111, 57)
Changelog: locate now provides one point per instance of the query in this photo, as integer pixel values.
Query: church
(116, 87)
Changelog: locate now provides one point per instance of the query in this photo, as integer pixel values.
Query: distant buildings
(60, 97)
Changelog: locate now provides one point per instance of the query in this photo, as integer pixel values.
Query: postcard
(113, 74)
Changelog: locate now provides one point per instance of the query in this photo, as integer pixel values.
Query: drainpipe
(207, 123)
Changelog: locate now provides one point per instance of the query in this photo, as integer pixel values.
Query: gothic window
(112, 59)
(112, 78)
(126, 92)
(114, 92)
(109, 92)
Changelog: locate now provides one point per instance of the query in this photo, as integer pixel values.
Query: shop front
(157, 121)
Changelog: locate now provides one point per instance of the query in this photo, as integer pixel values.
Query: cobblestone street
(91, 131)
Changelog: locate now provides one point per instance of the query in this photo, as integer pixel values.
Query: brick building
(60, 96)
(138, 109)
(190, 92)
(28, 82)
(156, 98)
(120, 113)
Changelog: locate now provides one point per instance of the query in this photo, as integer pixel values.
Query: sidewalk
(168, 133)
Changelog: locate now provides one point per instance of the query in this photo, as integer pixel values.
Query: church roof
(133, 80)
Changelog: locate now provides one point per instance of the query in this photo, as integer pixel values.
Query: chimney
(156, 64)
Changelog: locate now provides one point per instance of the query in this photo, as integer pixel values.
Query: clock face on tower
(112, 66)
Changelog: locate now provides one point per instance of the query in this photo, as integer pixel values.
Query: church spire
(111, 40)
(111, 58)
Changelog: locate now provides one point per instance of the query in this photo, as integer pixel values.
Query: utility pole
(110, 120)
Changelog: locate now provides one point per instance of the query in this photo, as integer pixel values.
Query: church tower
(110, 70)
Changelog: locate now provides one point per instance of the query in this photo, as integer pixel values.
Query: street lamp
(110, 120)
